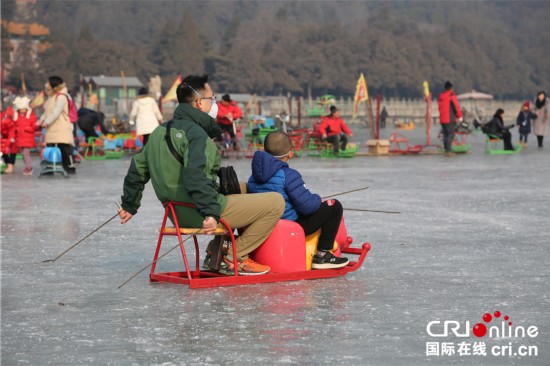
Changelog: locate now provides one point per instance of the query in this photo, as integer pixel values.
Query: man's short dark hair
(185, 91)
(277, 143)
(55, 81)
(226, 98)
(143, 91)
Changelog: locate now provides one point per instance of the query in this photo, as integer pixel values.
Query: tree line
(301, 48)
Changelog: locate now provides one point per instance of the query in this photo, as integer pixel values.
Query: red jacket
(331, 125)
(449, 109)
(224, 110)
(25, 128)
(7, 129)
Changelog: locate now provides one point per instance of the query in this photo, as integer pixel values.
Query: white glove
(132, 123)
(460, 120)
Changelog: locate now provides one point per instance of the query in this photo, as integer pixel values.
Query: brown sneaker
(246, 268)
(450, 153)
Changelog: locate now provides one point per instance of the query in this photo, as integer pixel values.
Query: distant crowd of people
(19, 123)
(450, 115)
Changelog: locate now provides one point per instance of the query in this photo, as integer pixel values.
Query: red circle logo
(479, 330)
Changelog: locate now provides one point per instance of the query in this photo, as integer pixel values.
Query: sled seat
(492, 142)
(129, 145)
(192, 277)
(324, 149)
(94, 149)
(192, 231)
(112, 149)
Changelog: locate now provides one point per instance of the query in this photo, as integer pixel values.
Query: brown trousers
(257, 214)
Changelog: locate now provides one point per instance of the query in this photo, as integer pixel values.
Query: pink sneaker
(27, 171)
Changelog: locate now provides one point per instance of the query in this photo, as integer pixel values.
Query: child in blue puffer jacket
(271, 173)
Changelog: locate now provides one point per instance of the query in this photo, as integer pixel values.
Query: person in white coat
(145, 114)
(542, 110)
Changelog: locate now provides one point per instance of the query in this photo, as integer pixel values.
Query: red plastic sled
(283, 243)
(397, 141)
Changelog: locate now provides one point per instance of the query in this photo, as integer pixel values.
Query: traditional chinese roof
(20, 29)
(131, 81)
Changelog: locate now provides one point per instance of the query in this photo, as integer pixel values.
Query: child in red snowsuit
(25, 127)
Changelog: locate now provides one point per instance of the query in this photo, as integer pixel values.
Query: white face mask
(213, 110)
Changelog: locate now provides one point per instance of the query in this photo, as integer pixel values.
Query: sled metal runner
(199, 278)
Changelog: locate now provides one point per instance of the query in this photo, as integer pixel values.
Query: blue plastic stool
(51, 161)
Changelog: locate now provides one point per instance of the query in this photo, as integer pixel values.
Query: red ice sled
(285, 251)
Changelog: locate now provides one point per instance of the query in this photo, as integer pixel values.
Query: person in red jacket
(334, 130)
(25, 127)
(449, 115)
(228, 113)
(7, 140)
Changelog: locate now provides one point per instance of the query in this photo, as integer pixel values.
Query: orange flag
(38, 100)
(171, 94)
(361, 94)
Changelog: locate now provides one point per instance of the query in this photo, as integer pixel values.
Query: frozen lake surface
(473, 237)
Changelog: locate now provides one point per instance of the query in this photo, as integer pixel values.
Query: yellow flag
(38, 100)
(171, 94)
(361, 94)
(426, 88)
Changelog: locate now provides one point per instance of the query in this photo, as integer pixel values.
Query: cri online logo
(442, 329)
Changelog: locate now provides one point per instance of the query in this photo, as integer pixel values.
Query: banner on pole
(426, 89)
(38, 100)
(171, 94)
(361, 94)
(23, 85)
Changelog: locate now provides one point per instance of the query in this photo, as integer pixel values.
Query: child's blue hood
(264, 166)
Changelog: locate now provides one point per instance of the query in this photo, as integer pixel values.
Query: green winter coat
(193, 182)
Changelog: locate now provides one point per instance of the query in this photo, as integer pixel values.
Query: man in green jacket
(192, 130)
